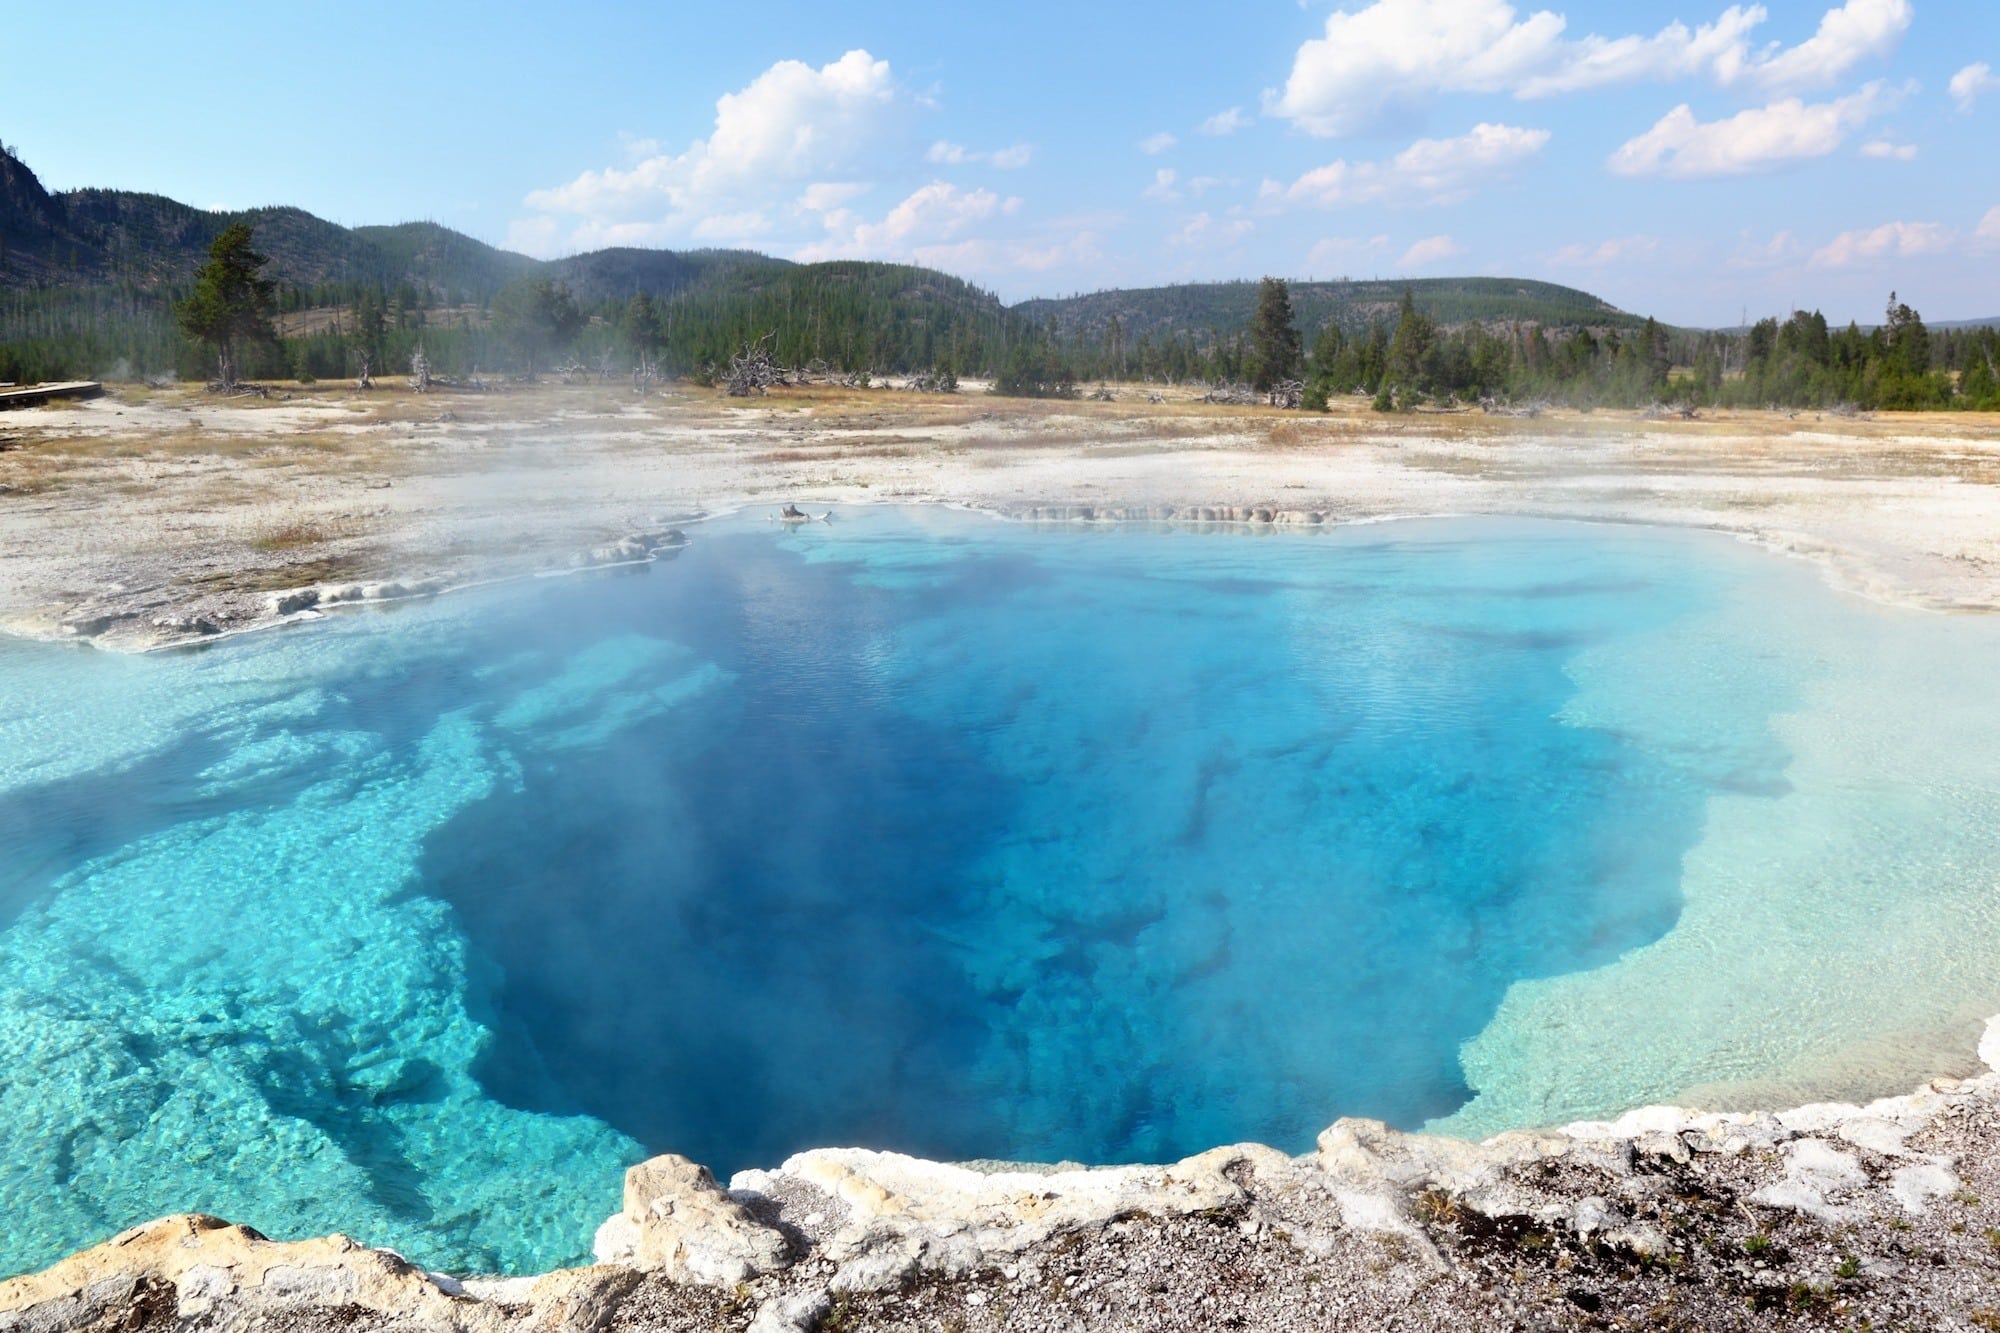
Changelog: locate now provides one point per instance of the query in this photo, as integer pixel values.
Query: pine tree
(1408, 347)
(1274, 338)
(538, 317)
(230, 306)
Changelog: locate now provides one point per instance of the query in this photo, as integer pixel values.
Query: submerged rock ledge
(1663, 1218)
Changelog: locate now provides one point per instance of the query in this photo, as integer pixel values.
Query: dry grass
(292, 536)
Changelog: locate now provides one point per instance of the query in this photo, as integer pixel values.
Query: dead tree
(1232, 393)
(1102, 394)
(364, 380)
(1286, 393)
(644, 376)
(420, 370)
(753, 371)
(932, 381)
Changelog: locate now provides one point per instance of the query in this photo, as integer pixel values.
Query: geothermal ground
(150, 516)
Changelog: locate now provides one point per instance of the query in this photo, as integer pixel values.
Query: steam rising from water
(930, 833)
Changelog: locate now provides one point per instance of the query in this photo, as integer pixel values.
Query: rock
(195, 624)
(906, 1215)
(1594, 1214)
(1814, 1169)
(800, 1313)
(1915, 1186)
(231, 1277)
(579, 1300)
(291, 603)
(678, 1221)
(624, 551)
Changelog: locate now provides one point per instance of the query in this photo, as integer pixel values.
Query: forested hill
(1354, 306)
(86, 238)
(114, 238)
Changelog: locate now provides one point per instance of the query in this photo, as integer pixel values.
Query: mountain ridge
(105, 237)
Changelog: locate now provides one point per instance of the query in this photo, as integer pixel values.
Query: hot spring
(923, 831)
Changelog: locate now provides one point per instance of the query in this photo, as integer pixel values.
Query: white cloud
(1761, 139)
(1782, 248)
(918, 226)
(1205, 230)
(1155, 144)
(1226, 122)
(1428, 171)
(1163, 189)
(1332, 254)
(636, 149)
(946, 153)
(731, 226)
(1970, 82)
(1901, 240)
(1430, 250)
(1988, 230)
(1847, 36)
(1398, 53)
(1889, 150)
(825, 196)
(1613, 251)
(790, 126)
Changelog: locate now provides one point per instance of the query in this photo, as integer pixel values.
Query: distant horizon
(1678, 157)
(1059, 296)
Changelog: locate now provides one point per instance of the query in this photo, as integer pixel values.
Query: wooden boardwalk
(30, 395)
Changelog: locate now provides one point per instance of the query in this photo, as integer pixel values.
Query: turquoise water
(927, 832)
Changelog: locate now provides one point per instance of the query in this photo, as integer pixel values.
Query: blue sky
(1690, 160)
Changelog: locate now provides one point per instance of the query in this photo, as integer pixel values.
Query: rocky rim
(1878, 1216)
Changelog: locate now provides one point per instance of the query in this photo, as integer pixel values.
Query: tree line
(891, 319)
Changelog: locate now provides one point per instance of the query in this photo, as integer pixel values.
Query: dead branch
(753, 371)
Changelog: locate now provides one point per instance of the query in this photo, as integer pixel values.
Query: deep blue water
(914, 831)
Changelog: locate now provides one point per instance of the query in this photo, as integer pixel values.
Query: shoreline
(157, 518)
(1681, 1218)
(332, 598)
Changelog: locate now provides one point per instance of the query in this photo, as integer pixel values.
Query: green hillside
(1226, 307)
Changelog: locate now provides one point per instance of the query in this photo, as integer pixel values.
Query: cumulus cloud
(1901, 240)
(1889, 150)
(1206, 230)
(1782, 248)
(1430, 250)
(1155, 144)
(791, 126)
(987, 255)
(1164, 189)
(826, 196)
(918, 229)
(1761, 139)
(1970, 82)
(1856, 31)
(1398, 53)
(1428, 171)
(1225, 122)
(1988, 230)
(1331, 255)
(1613, 251)
(946, 153)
